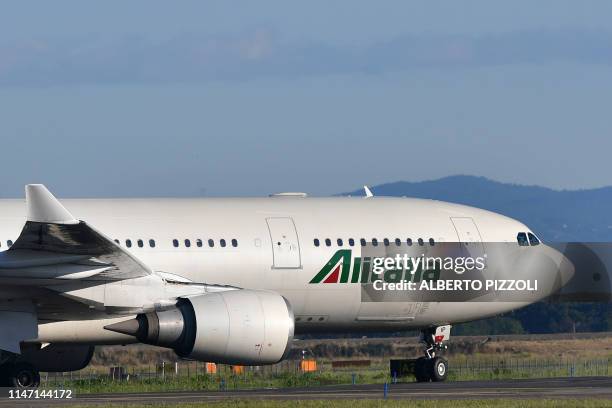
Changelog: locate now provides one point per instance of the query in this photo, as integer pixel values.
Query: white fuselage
(270, 244)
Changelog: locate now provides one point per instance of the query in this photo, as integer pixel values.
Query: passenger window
(327, 242)
(211, 243)
(199, 243)
(140, 243)
(128, 243)
(409, 241)
(175, 243)
(374, 242)
(386, 241)
(9, 243)
(152, 243)
(398, 242)
(117, 241)
(222, 242)
(316, 242)
(339, 241)
(431, 241)
(187, 243)
(533, 240)
(421, 243)
(351, 242)
(522, 239)
(234, 243)
(363, 242)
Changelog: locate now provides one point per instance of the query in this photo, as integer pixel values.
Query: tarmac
(554, 388)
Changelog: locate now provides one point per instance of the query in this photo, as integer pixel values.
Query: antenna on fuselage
(368, 192)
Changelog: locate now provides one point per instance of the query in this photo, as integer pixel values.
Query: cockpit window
(533, 240)
(522, 239)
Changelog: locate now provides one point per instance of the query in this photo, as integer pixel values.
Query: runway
(583, 387)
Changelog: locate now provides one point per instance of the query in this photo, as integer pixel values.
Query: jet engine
(247, 327)
(57, 357)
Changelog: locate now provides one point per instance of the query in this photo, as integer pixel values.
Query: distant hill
(555, 215)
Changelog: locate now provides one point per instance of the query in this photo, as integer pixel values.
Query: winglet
(368, 192)
(42, 206)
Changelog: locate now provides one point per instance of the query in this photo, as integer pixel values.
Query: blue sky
(248, 98)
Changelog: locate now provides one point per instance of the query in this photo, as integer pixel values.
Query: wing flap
(31, 259)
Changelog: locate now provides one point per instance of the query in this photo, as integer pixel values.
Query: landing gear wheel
(422, 370)
(24, 375)
(438, 369)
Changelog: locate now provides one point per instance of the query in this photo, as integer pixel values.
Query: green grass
(252, 379)
(528, 368)
(497, 403)
(214, 382)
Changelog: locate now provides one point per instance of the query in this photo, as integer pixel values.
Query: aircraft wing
(54, 247)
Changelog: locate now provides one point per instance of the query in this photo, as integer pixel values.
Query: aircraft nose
(566, 270)
(563, 269)
(549, 267)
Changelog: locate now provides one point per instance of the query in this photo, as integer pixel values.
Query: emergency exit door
(285, 243)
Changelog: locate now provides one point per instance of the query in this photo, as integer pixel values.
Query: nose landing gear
(432, 367)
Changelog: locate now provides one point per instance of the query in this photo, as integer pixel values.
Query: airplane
(225, 280)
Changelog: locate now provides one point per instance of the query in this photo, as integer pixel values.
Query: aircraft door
(469, 236)
(467, 232)
(285, 243)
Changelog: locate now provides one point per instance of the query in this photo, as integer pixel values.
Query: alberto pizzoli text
(460, 285)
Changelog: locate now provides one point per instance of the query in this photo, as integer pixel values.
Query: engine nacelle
(57, 357)
(247, 327)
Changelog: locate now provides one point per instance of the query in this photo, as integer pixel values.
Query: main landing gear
(432, 367)
(17, 374)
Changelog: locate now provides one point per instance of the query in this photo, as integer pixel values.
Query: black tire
(421, 371)
(438, 369)
(24, 375)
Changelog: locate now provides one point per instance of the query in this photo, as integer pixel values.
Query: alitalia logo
(342, 267)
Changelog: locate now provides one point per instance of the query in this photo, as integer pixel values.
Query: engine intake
(247, 327)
